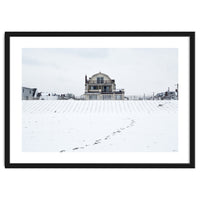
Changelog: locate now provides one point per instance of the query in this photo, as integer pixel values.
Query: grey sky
(138, 71)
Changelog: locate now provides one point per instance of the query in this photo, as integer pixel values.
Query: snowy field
(99, 126)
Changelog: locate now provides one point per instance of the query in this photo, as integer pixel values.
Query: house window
(30, 92)
(93, 87)
(106, 97)
(100, 80)
(118, 97)
(93, 97)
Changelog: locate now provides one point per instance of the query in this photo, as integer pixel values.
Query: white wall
(104, 15)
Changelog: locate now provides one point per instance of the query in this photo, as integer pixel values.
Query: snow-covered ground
(99, 126)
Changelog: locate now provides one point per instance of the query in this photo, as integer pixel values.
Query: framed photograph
(99, 99)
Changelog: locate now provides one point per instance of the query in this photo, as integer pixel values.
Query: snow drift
(99, 126)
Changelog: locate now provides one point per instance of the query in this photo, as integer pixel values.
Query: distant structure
(29, 93)
(101, 87)
(48, 96)
(168, 95)
(66, 96)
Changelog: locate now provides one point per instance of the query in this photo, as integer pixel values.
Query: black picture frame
(190, 35)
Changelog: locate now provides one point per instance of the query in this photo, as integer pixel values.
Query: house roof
(29, 88)
(101, 74)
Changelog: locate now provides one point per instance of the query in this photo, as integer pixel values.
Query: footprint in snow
(62, 151)
(107, 137)
(97, 141)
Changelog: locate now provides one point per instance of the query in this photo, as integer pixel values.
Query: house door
(106, 88)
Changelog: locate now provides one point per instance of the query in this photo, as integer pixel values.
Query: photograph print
(106, 101)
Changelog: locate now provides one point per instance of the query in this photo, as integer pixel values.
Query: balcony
(120, 91)
(100, 83)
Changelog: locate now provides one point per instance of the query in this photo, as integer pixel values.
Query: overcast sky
(138, 71)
